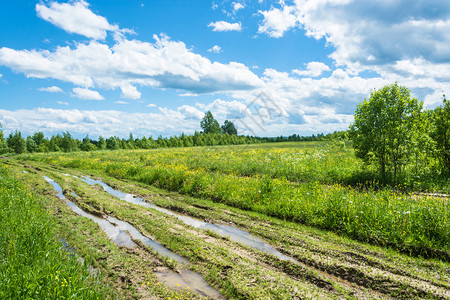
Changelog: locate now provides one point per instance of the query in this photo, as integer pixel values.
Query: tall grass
(419, 225)
(33, 264)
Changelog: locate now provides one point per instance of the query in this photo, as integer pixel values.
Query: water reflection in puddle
(117, 235)
(231, 232)
(135, 234)
(122, 234)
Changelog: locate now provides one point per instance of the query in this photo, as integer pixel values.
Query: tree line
(213, 134)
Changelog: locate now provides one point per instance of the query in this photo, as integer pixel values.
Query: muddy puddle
(231, 232)
(123, 233)
(117, 235)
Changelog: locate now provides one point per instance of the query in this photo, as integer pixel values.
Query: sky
(111, 67)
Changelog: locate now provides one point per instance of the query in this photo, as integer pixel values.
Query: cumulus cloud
(215, 49)
(129, 91)
(237, 6)
(104, 122)
(51, 89)
(313, 69)
(163, 64)
(277, 21)
(151, 105)
(190, 112)
(76, 17)
(225, 26)
(86, 94)
(368, 34)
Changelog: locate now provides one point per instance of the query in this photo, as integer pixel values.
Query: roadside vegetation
(33, 262)
(326, 265)
(414, 224)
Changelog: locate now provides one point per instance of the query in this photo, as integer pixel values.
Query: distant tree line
(213, 134)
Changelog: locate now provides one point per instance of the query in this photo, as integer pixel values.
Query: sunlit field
(307, 182)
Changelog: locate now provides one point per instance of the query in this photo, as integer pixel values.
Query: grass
(330, 265)
(290, 181)
(33, 264)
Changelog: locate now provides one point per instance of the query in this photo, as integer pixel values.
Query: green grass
(286, 181)
(239, 272)
(33, 264)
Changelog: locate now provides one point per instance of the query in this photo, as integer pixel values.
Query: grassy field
(347, 241)
(291, 181)
(33, 263)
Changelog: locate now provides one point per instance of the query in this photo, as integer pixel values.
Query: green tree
(112, 143)
(68, 143)
(228, 127)
(87, 145)
(131, 142)
(101, 143)
(209, 124)
(31, 145)
(16, 142)
(3, 144)
(441, 133)
(385, 129)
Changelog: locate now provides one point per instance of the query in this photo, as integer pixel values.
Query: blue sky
(110, 67)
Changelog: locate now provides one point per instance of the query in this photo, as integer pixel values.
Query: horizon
(274, 68)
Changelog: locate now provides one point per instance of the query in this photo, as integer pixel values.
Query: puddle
(117, 235)
(231, 232)
(188, 280)
(121, 235)
(135, 234)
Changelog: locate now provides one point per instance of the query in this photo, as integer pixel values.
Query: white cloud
(277, 21)
(151, 105)
(225, 26)
(75, 17)
(120, 102)
(129, 91)
(163, 64)
(237, 6)
(51, 89)
(95, 123)
(191, 112)
(62, 102)
(215, 49)
(313, 69)
(86, 94)
(369, 34)
(188, 95)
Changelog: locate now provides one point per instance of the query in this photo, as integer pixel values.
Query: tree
(112, 143)
(101, 143)
(68, 143)
(441, 132)
(385, 128)
(3, 145)
(16, 142)
(87, 145)
(228, 127)
(31, 145)
(209, 124)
